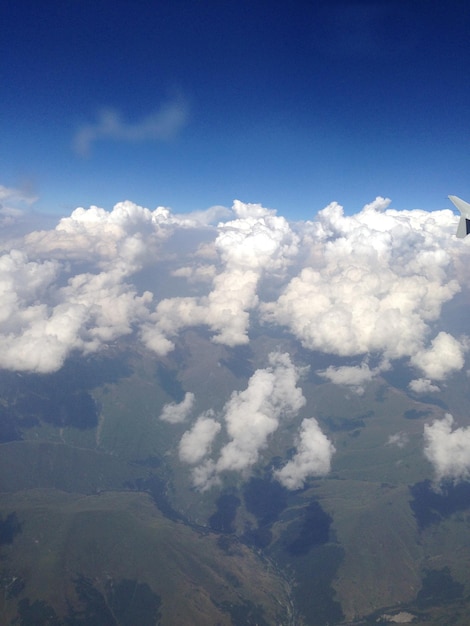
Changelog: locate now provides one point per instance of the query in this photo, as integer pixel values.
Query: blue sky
(193, 104)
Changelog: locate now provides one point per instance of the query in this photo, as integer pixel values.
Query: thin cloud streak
(13, 203)
(162, 125)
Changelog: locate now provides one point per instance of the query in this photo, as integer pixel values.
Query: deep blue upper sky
(292, 105)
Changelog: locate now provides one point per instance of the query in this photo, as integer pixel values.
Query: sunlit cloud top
(369, 284)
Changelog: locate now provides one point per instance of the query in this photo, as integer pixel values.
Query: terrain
(100, 522)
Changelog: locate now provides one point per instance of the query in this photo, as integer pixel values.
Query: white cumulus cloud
(312, 457)
(126, 235)
(255, 243)
(445, 355)
(195, 444)
(370, 285)
(423, 385)
(354, 376)
(176, 412)
(42, 322)
(251, 416)
(69, 288)
(375, 283)
(448, 449)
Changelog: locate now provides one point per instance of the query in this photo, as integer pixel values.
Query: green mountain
(100, 522)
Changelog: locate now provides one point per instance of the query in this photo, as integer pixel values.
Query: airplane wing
(463, 229)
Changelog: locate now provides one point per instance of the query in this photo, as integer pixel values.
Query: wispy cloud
(12, 203)
(161, 125)
(13, 195)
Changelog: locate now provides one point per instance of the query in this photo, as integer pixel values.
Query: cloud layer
(369, 284)
(368, 288)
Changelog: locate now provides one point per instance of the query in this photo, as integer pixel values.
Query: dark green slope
(78, 556)
(30, 464)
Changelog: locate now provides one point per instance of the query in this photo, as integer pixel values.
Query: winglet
(463, 229)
